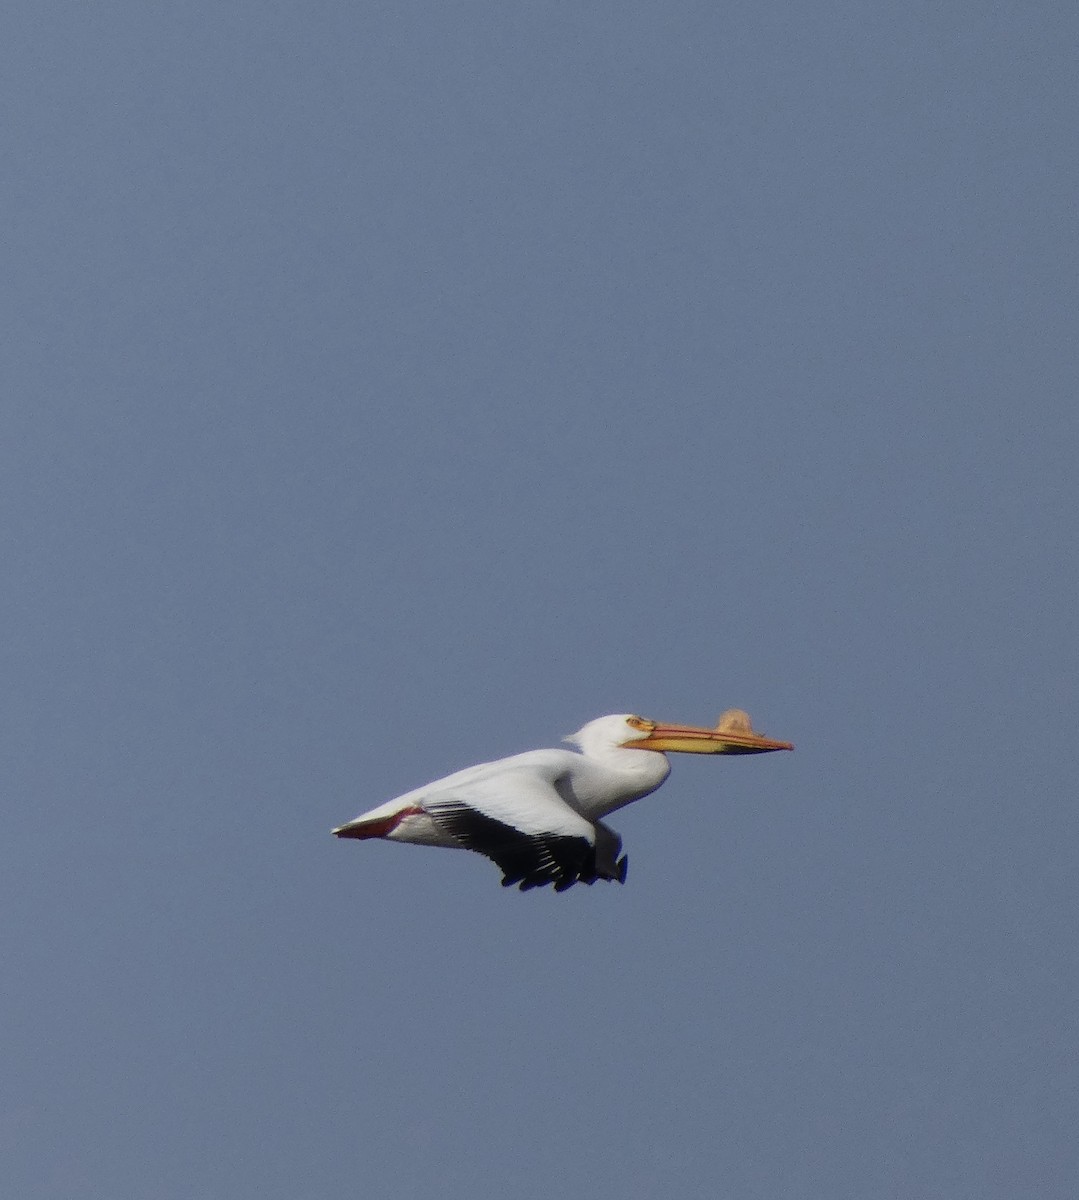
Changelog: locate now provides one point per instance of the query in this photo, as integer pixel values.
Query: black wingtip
(623, 867)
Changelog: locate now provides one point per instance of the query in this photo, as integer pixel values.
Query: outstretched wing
(518, 820)
(528, 859)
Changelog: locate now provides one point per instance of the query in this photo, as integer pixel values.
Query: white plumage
(539, 815)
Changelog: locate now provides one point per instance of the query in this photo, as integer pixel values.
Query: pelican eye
(641, 724)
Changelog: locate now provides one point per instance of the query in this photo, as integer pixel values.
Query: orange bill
(729, 737)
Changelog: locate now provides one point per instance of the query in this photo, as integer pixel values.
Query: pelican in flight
(539, 815)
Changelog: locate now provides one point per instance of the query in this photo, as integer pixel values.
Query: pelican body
(539, 815)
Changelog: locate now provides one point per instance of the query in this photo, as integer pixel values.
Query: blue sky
(389, 388)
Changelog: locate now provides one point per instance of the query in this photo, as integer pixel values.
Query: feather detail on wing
(527, 829)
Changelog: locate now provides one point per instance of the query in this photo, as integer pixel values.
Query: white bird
(538, 815)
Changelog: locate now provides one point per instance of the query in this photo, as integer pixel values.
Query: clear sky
(388, 387)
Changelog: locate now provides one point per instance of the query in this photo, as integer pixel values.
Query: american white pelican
(539, 815)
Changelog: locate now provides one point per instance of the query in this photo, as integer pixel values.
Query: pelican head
(733, 734)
